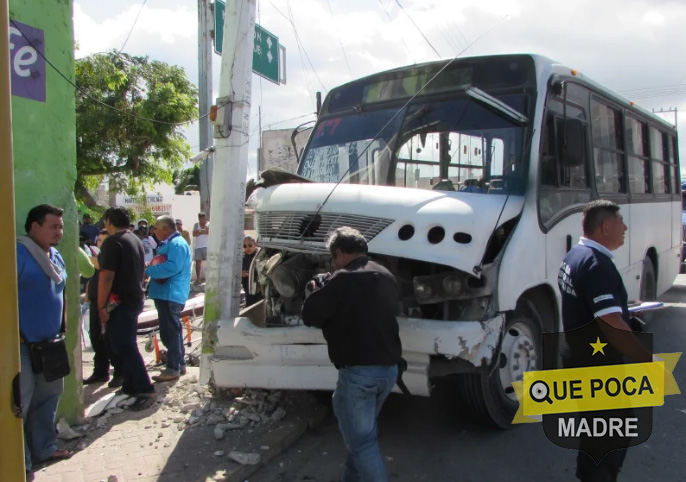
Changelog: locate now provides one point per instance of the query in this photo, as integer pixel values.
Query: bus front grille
(292, 228)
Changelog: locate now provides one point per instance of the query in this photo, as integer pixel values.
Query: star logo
(598, 346)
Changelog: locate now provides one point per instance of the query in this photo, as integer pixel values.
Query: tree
(141, 142)
(187, 180)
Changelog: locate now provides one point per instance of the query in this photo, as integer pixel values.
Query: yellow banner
(610, 387)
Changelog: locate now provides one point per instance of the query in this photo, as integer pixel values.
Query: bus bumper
(297, 358)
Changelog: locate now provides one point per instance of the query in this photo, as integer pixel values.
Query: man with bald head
(170, 285)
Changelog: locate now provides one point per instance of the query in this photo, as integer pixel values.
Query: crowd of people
(120, 263)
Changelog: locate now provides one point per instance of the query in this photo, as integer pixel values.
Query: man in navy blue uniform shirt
(592, 288)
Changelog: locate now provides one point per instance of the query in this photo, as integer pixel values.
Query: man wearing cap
(149, 243)
(184, 234)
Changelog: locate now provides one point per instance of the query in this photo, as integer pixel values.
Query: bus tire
(648, 287)
(489, 397)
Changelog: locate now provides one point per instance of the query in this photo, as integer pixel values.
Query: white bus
(467, 177)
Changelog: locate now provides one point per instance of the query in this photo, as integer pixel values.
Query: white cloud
(653, 18)
(623, 44)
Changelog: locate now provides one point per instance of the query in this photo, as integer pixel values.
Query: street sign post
(266, 56)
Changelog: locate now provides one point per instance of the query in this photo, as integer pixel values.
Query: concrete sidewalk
(185, 436)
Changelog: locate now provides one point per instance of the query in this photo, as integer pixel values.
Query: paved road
(428, 440)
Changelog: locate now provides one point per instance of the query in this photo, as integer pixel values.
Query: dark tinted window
(564, 162)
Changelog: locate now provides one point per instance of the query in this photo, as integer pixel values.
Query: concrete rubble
(186, 403)
(245, 458)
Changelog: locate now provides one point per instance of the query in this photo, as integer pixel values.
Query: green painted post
(44, 139)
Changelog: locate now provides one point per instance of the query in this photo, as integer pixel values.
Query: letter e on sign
(27, 64)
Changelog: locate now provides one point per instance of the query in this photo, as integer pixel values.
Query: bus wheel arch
(488, 395)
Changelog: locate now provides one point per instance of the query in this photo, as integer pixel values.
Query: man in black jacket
(356, 309)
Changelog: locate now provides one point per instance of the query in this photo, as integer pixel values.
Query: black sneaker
(116, 382)
(95, 378)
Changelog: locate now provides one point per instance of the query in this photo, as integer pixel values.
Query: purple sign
(27, 65)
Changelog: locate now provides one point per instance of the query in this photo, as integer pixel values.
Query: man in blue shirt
(169, 288)
(592, 291)
(41, 278)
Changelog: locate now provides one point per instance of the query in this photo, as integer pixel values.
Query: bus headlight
(452, 285)
(423, 290)
(439, 287)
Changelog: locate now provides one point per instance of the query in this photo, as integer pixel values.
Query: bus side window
(564, 179)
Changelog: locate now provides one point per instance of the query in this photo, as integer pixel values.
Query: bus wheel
(489, 397)
(648, 287)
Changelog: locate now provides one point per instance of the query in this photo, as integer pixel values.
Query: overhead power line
(417, 27)
(98, 101)
(301, 45)
(340, 42)
(648, 92)
(414, 61)
(133, 26)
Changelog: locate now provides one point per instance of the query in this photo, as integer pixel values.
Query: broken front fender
(297, 358)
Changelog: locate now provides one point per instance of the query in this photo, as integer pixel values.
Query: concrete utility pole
(205, 99)
(222, 292)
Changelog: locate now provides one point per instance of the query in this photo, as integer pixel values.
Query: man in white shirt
(201, 234)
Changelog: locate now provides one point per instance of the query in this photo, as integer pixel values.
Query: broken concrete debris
(186, 405)
(245, 458)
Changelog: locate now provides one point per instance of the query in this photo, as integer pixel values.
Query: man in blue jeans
(170, 285)
(120, 301)
(41, 278)
(356, 309)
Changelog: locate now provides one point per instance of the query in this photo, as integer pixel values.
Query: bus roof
(543, 66)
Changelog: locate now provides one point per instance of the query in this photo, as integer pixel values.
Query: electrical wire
(340, 42)
(97, 101)
(423, 87)
(271, 124)
(301, 45)
(456, 46)
(310, 90)
(417, 27)
(414, 61)
(648, 92)
(133, 26)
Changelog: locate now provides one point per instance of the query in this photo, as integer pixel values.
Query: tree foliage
(187, 180)
(125, 144)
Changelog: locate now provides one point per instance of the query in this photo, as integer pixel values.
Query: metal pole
(205, 99)
(222, 293)
(12, 453)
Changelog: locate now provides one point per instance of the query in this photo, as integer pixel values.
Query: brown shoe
(165, 377)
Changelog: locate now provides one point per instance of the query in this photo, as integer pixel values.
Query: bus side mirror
(575, 144)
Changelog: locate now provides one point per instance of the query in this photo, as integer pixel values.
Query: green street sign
(266, 50)
(219, 12)
(265, 55)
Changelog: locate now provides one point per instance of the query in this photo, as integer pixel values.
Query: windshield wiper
(490, 101)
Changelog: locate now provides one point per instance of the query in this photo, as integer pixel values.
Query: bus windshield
(457, 144)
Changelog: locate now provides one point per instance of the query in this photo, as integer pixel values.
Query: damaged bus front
(467, 177)
(430, 164)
